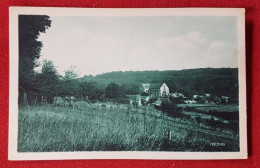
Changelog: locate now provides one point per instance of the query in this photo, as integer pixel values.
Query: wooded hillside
(217, 81)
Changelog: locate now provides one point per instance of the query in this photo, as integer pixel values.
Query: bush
(178, 100)
(112, 91)
(170, 109)
(152, 100)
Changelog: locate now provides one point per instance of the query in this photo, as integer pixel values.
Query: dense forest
(217, 81)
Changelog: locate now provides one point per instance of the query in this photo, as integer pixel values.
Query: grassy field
(211, 107)
(48, 128)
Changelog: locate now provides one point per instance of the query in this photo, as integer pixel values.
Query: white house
(156, 90)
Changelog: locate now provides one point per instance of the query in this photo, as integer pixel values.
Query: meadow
(50, 128)
(212, 107)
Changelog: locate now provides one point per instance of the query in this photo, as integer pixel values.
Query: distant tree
(90, 90)
(177, 100)
(30, 27)
(48, 79)
(69, 85)
(49, 68)
(112, 91)
(127, 89)
(70, 74)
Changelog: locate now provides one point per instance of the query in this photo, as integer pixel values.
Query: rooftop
(155, 85)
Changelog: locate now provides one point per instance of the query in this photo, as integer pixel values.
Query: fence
(150, 113)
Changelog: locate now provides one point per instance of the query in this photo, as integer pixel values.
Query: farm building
(225, 99)
(177, 95)
(155, 90)
(135, 99)
(149, 91)
(195, 96)
(158, 90)
(207, 94)
(145, 87)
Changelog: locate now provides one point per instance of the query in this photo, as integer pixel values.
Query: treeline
(215, 81)
(48, 83)
(115, 86)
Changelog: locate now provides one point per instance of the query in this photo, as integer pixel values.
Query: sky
(96, 45)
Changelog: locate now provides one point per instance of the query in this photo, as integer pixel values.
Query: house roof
(155, 85)
(145, 94)
(146, 85)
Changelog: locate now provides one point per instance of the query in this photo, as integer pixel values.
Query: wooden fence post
(144, 120)
(169, 135)
(35, 100)
(128, 113)
(25, 100)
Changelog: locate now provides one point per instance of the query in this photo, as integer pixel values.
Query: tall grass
(48, 128)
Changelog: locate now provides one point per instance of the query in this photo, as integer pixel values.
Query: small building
(145, 87)
(195, 96)
(207, 95)
(154, 90)
(190, 101)
(158, 90)
(135, 99)
(177, 95)
(225, 99)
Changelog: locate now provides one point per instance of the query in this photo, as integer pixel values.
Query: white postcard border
(113, 12)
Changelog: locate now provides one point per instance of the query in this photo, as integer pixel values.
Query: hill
(217, 81)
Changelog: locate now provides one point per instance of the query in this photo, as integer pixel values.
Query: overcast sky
(104, 44)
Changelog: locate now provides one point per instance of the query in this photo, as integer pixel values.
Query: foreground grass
(45, 129)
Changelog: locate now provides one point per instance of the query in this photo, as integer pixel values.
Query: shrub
(178, 100)
(170, 109)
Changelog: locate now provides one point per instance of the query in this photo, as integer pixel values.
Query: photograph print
(127, 84)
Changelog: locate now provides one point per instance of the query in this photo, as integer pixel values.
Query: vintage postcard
(127, 83)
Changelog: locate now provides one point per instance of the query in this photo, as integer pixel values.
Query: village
(149, 94)
(152, 97)
(157, 93)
